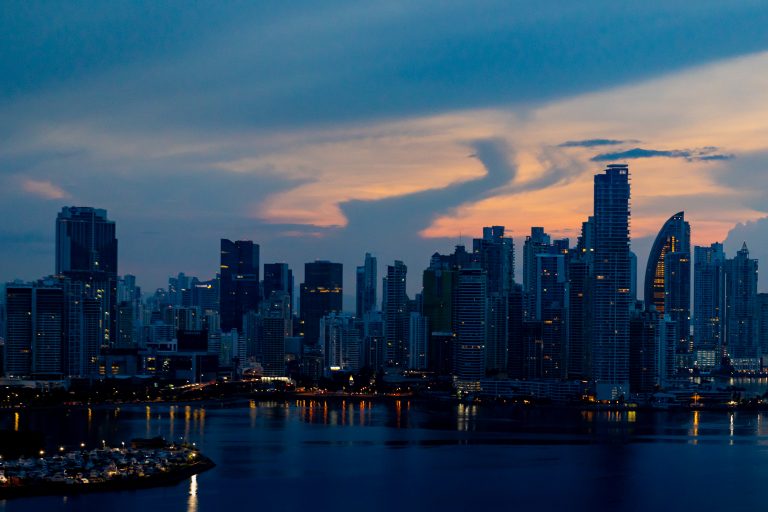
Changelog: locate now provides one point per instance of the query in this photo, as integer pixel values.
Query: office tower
(438, 283)
(278, 277)
(365, 292)
(126, 326)
(580, 265)
(611, 298)
(34, 332)
(86, 252)
(740, 307)
(494, 253)
(550, 308)
(470, 311)
(515, 349)
(762, 326)
(374, 343)
(320, 294)
(239, 282)
(668, 277)
(709, 304)
(394, 306)
(643, 350)
(418, 338)
(341, 342)
(537, 242)
(205, 295)
(277, 325)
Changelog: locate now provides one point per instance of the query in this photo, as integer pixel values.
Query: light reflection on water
(270, 449)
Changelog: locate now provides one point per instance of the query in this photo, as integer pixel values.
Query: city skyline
(396, 147)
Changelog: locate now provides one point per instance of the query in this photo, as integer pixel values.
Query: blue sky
(325, 130)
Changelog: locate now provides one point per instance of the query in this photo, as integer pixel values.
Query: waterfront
(407, 455)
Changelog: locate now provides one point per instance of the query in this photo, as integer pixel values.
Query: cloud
(44, 189)
(702, 154)
(591, 143)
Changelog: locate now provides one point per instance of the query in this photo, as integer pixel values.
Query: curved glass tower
(668, 276)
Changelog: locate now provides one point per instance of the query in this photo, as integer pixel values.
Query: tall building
(741, 305)
(394, 306)
(495, 254)
(611, 290)
(239, 282)
(470, 318)
(277, 326)
(86, 252)
(551, 308)
(437, 305)
(35, 330)
(365, 291)
(537, 242)
(418, 338)
(668, 277)
(278, 277)
(709, 304)
(320, 294)
(341, 342)
(762, 327)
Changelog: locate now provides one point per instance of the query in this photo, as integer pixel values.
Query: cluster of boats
(100, 469)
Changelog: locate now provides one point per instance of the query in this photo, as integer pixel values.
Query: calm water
(408, 456)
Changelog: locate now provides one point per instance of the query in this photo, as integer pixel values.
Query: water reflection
(192, 499)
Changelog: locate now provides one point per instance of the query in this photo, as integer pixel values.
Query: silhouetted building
(86, 252)
(437, 304)
(278, 277)
(239, 282)
(741, 306)
(611, 294)
(418, 338)
(341, 342)
(537, 242)
(321, 293)
(709, 304)
(668, 277)
(550, 308)
(495, 254)
(34, 330)
(470, 318)
(394, 307)
(365, 291)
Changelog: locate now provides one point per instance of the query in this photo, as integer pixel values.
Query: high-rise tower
(365, 292)
(611, 291)
(239, 284)
(668, 277)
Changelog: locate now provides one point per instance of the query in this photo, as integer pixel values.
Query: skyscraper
(394, 306)
(365, 291)
(470, 313)
(34, 337)
(320, 294)
(278, 277)
(551, 293)
(239, 283)
(668, 277)
(86, 252)
(611, 292)
(708, 304)
(537, 242)
(741, 307)
(495, 254)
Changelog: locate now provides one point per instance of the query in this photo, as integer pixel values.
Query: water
(404, 455)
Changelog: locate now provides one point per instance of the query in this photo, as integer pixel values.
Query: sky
(324, 130)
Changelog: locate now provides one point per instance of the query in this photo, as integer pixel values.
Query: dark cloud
(271, 64)
(591, 143)
(687, 154)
